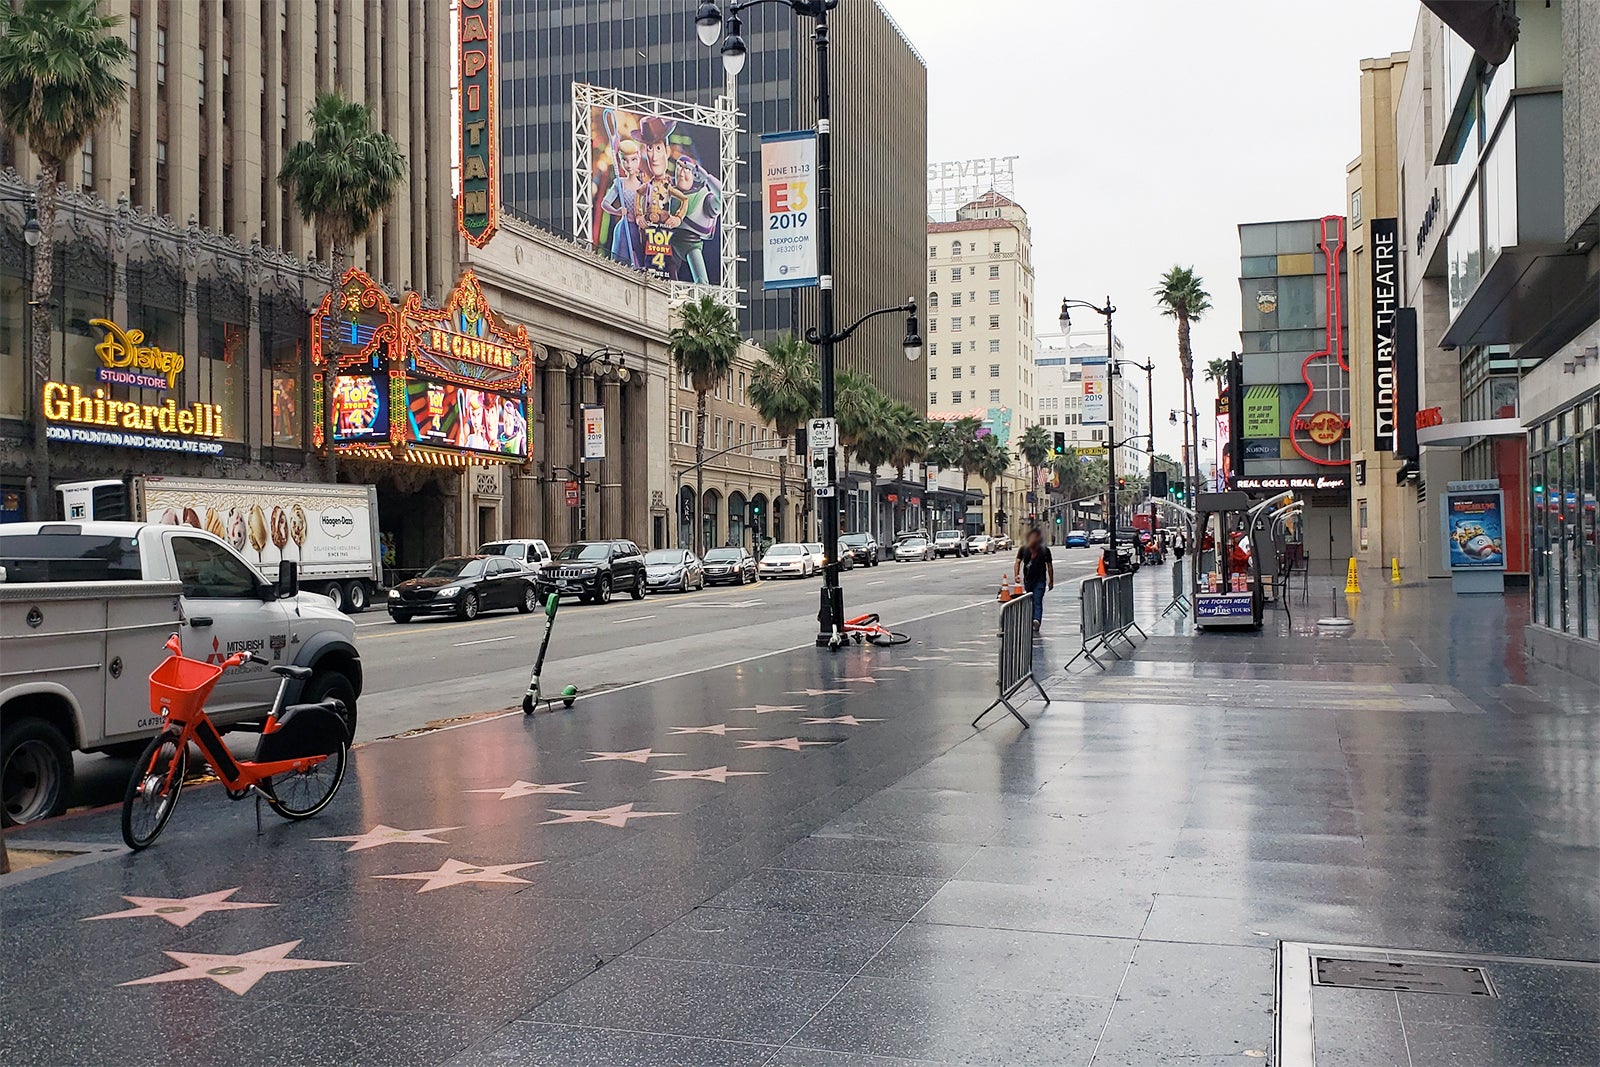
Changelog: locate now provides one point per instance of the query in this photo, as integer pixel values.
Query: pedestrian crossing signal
(1060, 447)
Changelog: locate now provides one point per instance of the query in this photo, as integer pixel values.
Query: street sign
(771, 452)
(819, 467)
(824, 492)
(1089, 451)
(572, 494)
(822, 434)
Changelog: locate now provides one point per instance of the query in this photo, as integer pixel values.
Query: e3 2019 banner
(789, 210)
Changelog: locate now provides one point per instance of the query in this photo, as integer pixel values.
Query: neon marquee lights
(478, 206)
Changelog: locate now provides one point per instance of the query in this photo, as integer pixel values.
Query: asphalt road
(432, 671)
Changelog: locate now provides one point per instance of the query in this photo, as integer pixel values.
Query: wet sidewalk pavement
(813, 860)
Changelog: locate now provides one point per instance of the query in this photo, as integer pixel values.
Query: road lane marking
(636, 618)
(880, 581)
(486, 641)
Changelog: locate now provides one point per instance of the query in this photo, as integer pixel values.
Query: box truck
(330, 531)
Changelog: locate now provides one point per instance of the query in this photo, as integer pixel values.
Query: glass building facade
(1566, 568)
(649, 47)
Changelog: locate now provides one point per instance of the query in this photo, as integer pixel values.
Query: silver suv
(950, 543)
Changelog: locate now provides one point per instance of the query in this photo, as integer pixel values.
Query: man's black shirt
(1035, 562)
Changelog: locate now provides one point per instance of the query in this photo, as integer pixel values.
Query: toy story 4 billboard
(654, 181)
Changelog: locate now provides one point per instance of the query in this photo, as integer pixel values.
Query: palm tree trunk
(699, 470)
(42, 505)
(338, 263)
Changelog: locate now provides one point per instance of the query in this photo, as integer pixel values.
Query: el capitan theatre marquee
(90, 415)
(440, 386)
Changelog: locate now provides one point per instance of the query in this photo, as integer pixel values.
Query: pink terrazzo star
(617, 816)
(819, 692)
(768, 709)
(235, 973)
(528, 789)
(638, 755)
(721, 729)
(791, 744)
(842, 720)
(710, 774)
(454, 872)
(180, 911)
(389, 835)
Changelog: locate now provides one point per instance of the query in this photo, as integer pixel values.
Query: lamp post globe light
(1107, 310)
(709, 18)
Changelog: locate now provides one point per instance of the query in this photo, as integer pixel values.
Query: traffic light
(1158, 484)
(1058, 518)
(1060, 447)
(1122, 483)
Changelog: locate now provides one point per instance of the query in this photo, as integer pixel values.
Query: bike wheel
(888, 637)
(300, 796)
(153, 790)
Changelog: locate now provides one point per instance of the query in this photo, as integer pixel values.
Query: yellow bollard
(1352, 584)
(1394, 569)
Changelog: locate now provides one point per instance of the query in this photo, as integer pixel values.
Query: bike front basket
(181, 685)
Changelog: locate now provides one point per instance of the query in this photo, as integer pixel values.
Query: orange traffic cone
(1005, 587)
(1101, 568)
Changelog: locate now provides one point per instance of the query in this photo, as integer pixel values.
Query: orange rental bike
(868, 628)
(300, 759)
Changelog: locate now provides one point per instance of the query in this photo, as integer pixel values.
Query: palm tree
(994, 459)
(866, 428)
(342, 178)
(913, 433)
(1217, 371)
(1182, 296)
(703, 344)
(60, 79)
(964, 448)
(1034, 448)
(787, 391)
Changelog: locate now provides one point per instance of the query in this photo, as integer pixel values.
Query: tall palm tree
(342, 178)
(1034, 448)
(913, 433)
(787, 391)
(964, 448)
(994, 459)
(1216, 371)
(866, 432)
(703, 344)
(60, 79)
(1181, 295)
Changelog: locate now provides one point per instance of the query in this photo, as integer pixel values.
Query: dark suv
(593, 570)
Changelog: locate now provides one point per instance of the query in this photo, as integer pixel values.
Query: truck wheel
(325, 684)
(355, 597)
(35, 772)
(334, 592)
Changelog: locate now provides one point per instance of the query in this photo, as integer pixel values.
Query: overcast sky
(1147, 131)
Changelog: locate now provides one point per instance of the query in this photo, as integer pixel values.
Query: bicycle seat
(297, 673)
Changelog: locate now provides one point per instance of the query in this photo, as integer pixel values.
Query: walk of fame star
(638, 755)
(710, 774)
(617, 816)
(721, 729)
(792, 744)
(868, 680)
(180, 911)
(843, 720)
(817, 692)
(767, 709)
(454, 872)
(389, 835)
(926, 659)
(528, 789)
(235, 973)
(902, 670)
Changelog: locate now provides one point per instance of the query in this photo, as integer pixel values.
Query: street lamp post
(709, 20)
(1150, 414)
(609, 361)
(1107, 311)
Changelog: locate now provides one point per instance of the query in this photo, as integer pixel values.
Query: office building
(1292, 435)
(1069, 376)
(650, 47)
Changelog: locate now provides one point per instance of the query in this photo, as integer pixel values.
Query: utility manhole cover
(1456, 980)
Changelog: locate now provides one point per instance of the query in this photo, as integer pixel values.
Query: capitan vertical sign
(788, 183)
(1385, 234)
(478, 206)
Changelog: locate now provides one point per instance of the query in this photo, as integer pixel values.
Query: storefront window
(285, 326)
(1540, 563)
(1566, 567)
(221, 374)
(72, 339)
(14, 384)
(1465, 248)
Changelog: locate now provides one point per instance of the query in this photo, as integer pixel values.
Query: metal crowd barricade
(1105, 607)
(1016, 657)
(1091, 621)
(1180, 592)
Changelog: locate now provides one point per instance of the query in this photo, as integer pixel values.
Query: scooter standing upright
(532, 698)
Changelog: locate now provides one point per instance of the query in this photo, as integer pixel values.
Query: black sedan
(734, 566)
(463, 586)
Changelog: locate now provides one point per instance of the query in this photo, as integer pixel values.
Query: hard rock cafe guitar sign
(1319, 427)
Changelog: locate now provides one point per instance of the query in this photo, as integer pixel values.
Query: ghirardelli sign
(1385, 305)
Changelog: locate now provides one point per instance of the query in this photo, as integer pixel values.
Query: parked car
(1004, 543)
(847, 560)
(914, 548)
(733, 565)
(982, 544)
(532, 552)
(463, 586)
(950, 543)
(862, 546)
(673, 568)
(1099, 536)
(787, 559)
(593, 570)
(1077, 539)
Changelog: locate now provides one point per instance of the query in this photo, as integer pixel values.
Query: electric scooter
(532, 698)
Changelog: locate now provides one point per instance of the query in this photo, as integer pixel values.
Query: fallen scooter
(533, 697)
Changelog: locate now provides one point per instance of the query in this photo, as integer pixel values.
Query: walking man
(1037, 571)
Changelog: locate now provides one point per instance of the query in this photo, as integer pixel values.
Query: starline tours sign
(478, 206)
(76, 415)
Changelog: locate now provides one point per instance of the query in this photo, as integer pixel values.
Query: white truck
(330, 531)
(84, 611)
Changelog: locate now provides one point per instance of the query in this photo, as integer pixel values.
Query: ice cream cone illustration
(258, 529)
